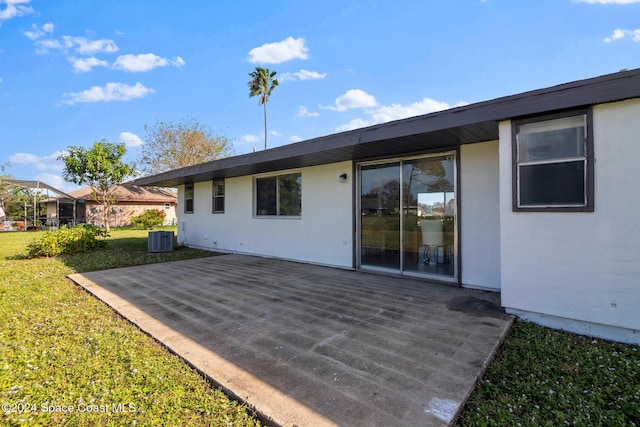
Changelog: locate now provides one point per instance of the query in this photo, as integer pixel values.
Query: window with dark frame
(188, 198)
(218, 196)
(279, 195)
(553, 163)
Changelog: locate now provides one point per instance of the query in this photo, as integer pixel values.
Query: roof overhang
(440, 130)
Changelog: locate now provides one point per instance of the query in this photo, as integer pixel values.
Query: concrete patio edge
(235, 381)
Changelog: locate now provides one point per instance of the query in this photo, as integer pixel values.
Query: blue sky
(76, 71)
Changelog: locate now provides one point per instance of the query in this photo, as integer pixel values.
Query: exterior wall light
(343, 177)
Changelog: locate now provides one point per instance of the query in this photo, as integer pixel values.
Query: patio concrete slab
(307, 345)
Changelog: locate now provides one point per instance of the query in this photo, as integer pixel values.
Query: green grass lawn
(545, 377)
(61, 348)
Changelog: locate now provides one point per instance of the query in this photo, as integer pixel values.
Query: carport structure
(309, 345)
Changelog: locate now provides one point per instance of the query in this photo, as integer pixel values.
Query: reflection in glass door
(380, 219)
(409, 227)
(429, 215)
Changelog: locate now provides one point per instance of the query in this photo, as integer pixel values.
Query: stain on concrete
(477, 307)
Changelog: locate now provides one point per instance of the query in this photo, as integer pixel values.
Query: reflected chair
(432, 239)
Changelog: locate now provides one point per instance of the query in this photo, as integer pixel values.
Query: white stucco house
(533, 195)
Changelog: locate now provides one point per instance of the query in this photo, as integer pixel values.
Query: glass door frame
(358, 199)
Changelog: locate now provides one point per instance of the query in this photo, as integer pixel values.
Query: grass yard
(63, 350)
(67, 359)
(545, 377)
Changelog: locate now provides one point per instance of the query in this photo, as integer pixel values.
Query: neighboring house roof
(129, 192)
(449, 128)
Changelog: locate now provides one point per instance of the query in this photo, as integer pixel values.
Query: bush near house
(81, 238)
(150, 219)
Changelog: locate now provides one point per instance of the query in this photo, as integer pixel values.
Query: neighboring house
(520, 194)
(130, 201)
(32, 215)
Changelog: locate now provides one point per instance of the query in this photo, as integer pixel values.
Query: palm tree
(262, 83)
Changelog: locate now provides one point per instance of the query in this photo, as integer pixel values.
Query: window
(188, 198)
(553, 163)
(279, 195)
(218, 196)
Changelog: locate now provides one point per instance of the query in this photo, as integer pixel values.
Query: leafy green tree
(101, 168)
(262, 84)
(170, 146)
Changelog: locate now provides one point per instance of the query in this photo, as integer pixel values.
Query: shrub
(150, 219)
(81, 238)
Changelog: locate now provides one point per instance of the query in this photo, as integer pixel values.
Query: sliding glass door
(407, 217)
(380, 219)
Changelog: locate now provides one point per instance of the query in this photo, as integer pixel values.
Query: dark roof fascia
(599, 90)
(344, 146)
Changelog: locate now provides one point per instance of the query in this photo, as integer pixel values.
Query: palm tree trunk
(265, 125)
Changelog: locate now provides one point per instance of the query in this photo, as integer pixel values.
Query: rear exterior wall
(322, 234)
(580, 271)
(479, 220)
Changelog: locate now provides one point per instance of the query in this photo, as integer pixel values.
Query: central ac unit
(160, 241)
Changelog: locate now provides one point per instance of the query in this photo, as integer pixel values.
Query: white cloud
(309, 75)
(620, 34)
(607, 1)
(387, 113)
(617, 35)
(391, 112)
(144, 62)
(39, 32)
(42, 163)
(14, 9)
(295, 138)
(80, 45)
(275, 133)
(87, 47)
(46, 45)
(302, 75)
(250, 138)
(279, 52)
(130, 139)
(83, 65)
(109, 92)
(355, 124)
(353, 98)
(303, 112)
(56, 181)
